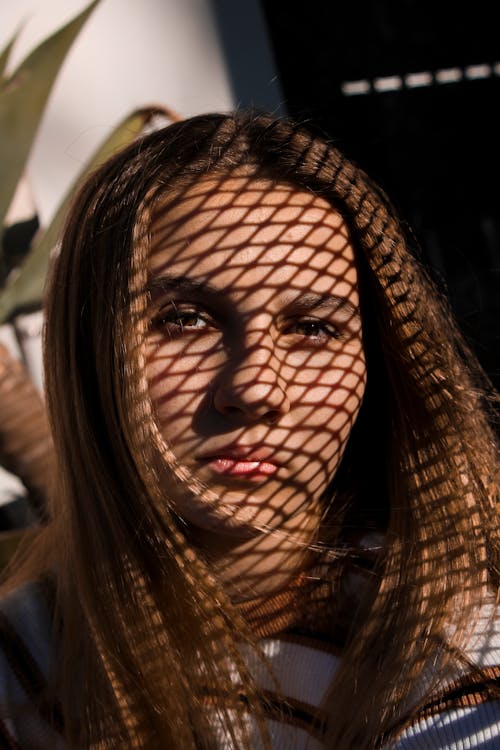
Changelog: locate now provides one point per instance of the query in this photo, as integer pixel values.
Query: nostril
(232, 410)
(252, 403)
(272, 417)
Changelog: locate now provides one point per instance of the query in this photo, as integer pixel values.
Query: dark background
(434, 148)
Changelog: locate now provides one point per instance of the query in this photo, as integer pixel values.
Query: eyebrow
(312, 301)
(169, 283)
(301, 302)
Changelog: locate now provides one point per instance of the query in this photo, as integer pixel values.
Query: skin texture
(255, 366)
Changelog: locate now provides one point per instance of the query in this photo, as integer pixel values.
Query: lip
(241, 461)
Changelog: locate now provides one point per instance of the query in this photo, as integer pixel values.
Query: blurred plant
(25, 445)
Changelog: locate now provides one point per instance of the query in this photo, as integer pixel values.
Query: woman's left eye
(313, 328)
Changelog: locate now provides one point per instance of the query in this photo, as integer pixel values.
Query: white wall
(129, 53)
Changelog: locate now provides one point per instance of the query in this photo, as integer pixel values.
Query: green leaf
(25, 288)
(5, 55)
(23, 97)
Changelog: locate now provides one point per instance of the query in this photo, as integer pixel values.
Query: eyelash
(328, 329)
(174, 321)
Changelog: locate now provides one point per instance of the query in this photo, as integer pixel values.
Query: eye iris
(309, 328)
(179, 320)
(189, 320)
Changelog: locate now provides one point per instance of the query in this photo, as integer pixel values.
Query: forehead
(240, 230)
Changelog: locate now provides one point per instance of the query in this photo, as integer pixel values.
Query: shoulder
(483, 645)
(25, 659)
(464, 713)
(456, 727)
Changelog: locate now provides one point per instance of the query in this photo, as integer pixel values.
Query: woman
(274, 522)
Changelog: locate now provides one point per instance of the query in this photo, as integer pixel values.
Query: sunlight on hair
(275, 523)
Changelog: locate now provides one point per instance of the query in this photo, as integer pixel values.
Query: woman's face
(255, 358)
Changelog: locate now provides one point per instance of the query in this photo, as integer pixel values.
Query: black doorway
(409, 89)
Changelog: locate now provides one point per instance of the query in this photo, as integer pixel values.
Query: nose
(251, 386)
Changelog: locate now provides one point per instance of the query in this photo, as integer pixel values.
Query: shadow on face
(255, 365)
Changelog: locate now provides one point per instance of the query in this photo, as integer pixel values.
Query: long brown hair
(133, 596)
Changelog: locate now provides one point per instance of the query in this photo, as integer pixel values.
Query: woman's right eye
(177, 320)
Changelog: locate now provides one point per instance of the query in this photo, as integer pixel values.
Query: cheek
(178, 381)
(336, 406)
(329, 391)
(326, 410)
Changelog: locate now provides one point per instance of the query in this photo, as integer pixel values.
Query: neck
(260, 566)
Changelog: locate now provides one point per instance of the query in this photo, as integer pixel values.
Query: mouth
(239, 461)
(230, 466)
